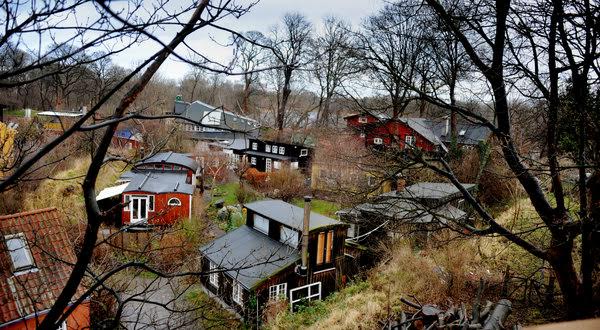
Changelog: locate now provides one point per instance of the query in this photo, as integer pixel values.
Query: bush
(256, 178)
(286, 184)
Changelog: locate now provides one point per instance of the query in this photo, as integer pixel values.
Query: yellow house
(7, 139)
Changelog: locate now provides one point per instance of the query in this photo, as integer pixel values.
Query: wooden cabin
(159, 190)
(266, 260)
(270, 156)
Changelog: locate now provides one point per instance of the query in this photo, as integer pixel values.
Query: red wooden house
(35, 262)
(404, 132)
(157, 191)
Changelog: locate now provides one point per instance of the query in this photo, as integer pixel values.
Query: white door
(139, 208)
(268, 165)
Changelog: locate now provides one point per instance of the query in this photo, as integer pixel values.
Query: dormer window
(362, 120)
(19, 252)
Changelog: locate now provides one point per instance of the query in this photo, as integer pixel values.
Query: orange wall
(79, 319)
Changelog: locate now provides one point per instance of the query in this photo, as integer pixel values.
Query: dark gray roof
(158, 182)
(216, 117)
(171, 158)
(234, 144)
(250, 256)
(290, 215)
(406, 211)
(472, 134)
(268, 155)
(429, 190)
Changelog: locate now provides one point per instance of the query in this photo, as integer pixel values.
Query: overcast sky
(261, 18)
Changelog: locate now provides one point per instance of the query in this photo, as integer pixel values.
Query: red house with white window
(158, 190)
(404, 132)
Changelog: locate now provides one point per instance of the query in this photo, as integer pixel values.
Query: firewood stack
(487, 317)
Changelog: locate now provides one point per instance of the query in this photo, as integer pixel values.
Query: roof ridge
(25, 213)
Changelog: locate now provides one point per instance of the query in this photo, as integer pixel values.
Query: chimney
(305, 231)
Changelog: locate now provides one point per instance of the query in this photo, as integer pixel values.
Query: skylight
(462, 132)
(19, 252)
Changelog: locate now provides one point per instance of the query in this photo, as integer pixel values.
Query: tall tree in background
(332, 63)
(250, 57)
(289, 45)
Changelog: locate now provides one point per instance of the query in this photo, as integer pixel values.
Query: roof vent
(176, 186)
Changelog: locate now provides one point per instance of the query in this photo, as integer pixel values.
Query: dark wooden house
(269, 156)
(267, 258)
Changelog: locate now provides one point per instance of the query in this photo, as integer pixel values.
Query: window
(274, 149)
(324, 251)
(378, 140)
(174, 202)
(362, 120)
(329, 246)
(288, 236)
(410, 140)
(213, 277)
(261, 224)
(294, 165)
(236, 292)
(253, 160)
(278, 291)
(254, 146)
(303, 152)
(19, 252)
(126, 201)
(305, 293)
(151, 203)
(363, 135)
(268, 163)
(63, 326)
(282, 150)
(462, 132)
(267, 148)
(139, 207)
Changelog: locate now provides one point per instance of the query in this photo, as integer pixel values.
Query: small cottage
(127, 138)
(283, 252)
(159, 190)
(36, 258)
(270, 156)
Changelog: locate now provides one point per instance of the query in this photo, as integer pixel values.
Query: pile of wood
(489, 316)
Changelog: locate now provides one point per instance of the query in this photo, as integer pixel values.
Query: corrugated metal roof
(171, 158)
(290, 215)
(429, 190)
(250, 256)
(158, 182)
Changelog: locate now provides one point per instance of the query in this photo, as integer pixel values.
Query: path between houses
(156, 304)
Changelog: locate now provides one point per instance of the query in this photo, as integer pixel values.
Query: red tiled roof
(34, 291)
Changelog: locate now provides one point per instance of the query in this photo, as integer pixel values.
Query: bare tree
(332, 64)
(289, 47)
(250, 57)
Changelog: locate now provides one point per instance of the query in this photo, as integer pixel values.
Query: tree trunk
(285, 94)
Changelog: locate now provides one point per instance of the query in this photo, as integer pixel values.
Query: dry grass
(450, 273)
(63, 189)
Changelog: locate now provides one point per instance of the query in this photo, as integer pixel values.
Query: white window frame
(264, 224)
(150, 202)
(63, 326)
(294, 165)
(308, 297)
(27, 252)
(236, 292)
(267, 148)
(213, 277)
(277, 165)
(282, 150)
(268, 165)
(363, 119)
(138, 216)
(174, 201)
(378, 141)
(462, 132)
(278, 291)
(410, 140)
(274, 149)
(303, 152)
(127, 202)
(254, 146)
(253, 160)
(289, 236)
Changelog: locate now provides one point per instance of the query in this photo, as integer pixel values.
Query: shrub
(286, 184)
(256, 178)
